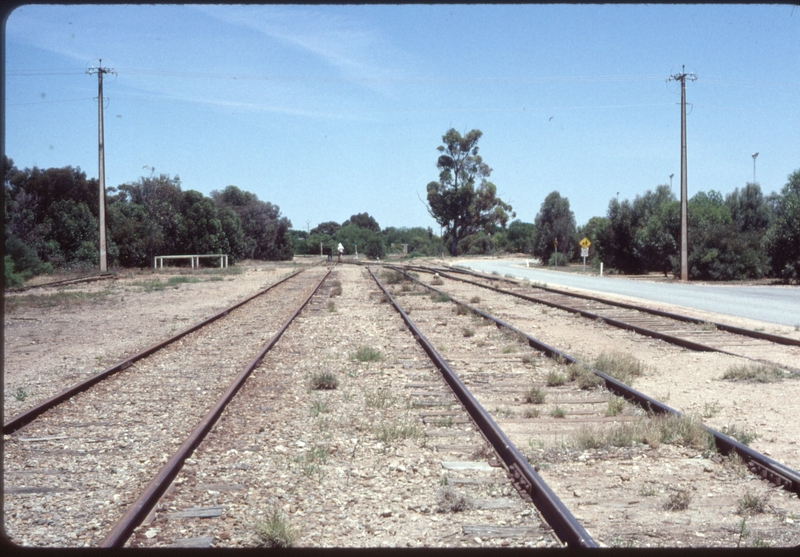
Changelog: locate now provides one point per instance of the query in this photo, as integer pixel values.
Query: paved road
(774, 304)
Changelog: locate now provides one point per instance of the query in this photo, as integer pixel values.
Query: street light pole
(670, 181)
(754, 166)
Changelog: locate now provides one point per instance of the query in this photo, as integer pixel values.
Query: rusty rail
(770, 470)
(685, 343)
(140, 508)
(777, 339)
(26, 416)
(525, 479)
(63, 282)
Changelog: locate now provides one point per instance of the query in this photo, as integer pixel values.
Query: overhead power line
(397, 79)
(26, 73)
(715, 80)
(50, 102)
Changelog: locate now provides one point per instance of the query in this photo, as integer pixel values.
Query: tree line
(743, 235)
(51, 222)
(362, 234)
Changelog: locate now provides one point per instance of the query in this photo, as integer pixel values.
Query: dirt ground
(53, 338)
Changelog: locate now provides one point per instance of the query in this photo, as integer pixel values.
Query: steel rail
(140, 508)
(27, 416)
(585, 313)
(761, 465)
(685, 343)
(777, 339)
(525, 479)
(63, 282)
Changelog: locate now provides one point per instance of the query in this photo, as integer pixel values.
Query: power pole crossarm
(682, 77)
(100, 70)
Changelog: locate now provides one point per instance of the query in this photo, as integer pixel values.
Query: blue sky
(328, 111)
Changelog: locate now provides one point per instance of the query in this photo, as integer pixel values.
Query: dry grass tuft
(615, 407)
(758, 373)
(678, 500)
(324, 380)
(743, 436)
(453, 501)
(367, 354)
(275, 531)
(752, 503)
(673, 430)
(555, 379)
(535, 395)
(619, 365)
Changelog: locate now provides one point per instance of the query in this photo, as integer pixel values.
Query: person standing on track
(340, 249)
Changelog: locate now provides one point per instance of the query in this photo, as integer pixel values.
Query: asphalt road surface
(773, 304)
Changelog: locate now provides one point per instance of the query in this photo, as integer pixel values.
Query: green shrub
(11, 278)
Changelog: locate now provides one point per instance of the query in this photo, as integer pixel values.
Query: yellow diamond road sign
(585, 243)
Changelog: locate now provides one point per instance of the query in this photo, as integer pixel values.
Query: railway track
(64, 282)
(574, 408)
(681, 330)
(97, 444)
(389, 457)
(355, 465)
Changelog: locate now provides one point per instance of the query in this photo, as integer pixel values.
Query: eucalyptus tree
(363, 220)
(554, 224)
(783, 238)
(264, 232)
(463, 201)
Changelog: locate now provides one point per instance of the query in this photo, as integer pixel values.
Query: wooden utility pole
(684, 201)
(101, 161)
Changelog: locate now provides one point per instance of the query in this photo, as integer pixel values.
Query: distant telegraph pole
(682, 77)
(100, 70)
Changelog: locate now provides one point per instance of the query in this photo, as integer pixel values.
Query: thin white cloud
(354, 51)
(25, 25)
(247, 106)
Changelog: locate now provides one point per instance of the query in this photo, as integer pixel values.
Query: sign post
(585, 243)
(555, 261)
